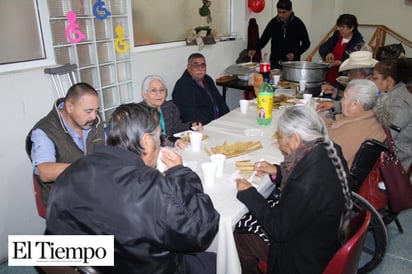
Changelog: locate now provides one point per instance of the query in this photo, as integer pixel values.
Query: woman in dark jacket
(337, 48)
(306, 226)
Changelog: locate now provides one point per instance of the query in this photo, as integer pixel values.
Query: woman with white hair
(363, 117)
(154, 93)
(310, 220)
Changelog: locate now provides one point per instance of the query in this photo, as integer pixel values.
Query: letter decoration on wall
(120, 44)
(100, 11)
(73, 34)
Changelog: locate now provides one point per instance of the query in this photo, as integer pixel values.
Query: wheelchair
(376, 242)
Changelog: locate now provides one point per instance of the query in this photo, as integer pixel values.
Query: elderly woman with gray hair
(363, 117)
(154, 93)
(313, 210)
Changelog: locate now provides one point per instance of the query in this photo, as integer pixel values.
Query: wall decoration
(120, 44)
(256, 5)
(73, 34)
(100, 11)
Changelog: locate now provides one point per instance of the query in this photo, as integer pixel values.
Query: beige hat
(357, 60)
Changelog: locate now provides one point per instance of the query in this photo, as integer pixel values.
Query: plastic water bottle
(264, 104)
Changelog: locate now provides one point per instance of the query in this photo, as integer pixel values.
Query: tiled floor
(397, 260)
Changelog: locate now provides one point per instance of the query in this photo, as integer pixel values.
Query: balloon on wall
(256, 5)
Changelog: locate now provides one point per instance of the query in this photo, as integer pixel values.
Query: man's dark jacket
(194, 102)
(294, 39)
(155, 218)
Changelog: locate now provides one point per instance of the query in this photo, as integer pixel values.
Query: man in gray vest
(64, 135)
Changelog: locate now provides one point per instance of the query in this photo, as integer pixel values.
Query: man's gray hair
(367, 93)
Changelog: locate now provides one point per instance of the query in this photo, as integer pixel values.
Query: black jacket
(154, 218)
(303, 227)
(354, 44)
(194, 102)
(294, 39)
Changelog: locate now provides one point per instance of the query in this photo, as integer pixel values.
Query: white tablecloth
(231, 128)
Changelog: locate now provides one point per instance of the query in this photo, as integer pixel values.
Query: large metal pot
(312, 72)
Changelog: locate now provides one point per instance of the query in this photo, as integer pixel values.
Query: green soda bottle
(264, 104)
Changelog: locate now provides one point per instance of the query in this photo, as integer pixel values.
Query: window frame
(167, 45)
(44, 28)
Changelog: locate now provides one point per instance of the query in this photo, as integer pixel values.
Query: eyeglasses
(154, 91)
(197, 65)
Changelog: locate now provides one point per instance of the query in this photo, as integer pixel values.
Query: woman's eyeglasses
(154, 91)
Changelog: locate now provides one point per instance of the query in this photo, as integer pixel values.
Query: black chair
(365, 159)
(368, 153)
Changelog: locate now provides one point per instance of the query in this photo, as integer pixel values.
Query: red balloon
(256, 5)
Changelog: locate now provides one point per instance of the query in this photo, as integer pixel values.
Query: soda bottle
(264, 68)
(264, 104)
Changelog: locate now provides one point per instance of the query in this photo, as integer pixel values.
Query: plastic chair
(41, 208)
(346, 259)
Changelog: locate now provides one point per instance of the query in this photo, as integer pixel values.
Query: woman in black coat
(306, 226)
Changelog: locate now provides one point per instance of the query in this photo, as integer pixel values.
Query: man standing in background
(288, 34)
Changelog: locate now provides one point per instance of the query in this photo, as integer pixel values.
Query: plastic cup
(160, 165)
(307, 97)
(195, 140)
(219, 159)
(244, 104)
(209, 173)
(276, 79)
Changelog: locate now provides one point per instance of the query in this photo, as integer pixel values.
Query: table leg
(224, 89)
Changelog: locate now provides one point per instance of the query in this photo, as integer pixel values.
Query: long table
(231, 128)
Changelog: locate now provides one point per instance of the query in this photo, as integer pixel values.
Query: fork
(250, 179)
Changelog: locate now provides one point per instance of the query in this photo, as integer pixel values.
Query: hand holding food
(242, 184)
(180, 144)
(324, 106)
(263, 167)
(330, 58)
(170, 158)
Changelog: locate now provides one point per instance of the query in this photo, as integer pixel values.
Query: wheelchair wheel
(376, 241)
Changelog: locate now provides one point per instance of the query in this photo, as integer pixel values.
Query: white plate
(287, 92)
(181, 134)
(250, 65)
(343, 80)
(243, 77)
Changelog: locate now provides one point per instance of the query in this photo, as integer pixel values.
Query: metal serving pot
(312, 72)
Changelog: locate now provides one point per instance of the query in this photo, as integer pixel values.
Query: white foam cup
(244, 104)
(209, 173)
(219, 159)
(307, 97)
(195, 140)
(276, 79)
